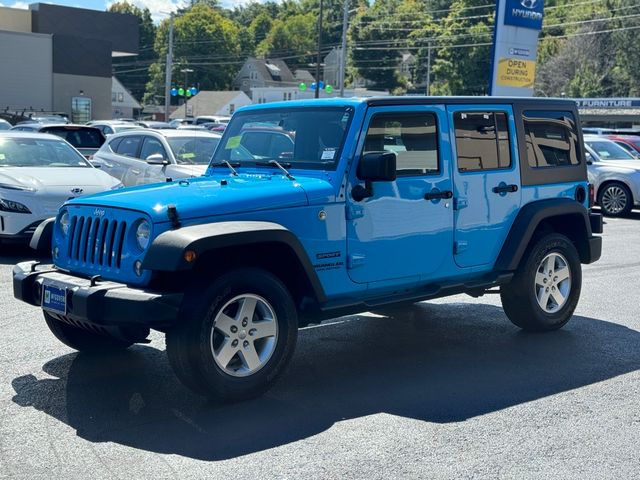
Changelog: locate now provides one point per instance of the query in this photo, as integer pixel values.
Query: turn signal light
(592, 195)
(189, 256)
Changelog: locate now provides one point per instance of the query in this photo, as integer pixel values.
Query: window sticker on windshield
(328, 154)
(233, 142)
(187, 155)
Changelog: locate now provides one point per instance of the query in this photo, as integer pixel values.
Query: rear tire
(615, 199)
(236, 338)
(545, 289)
(84, 340)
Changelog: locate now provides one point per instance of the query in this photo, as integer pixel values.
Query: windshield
(31, 152)
(607, 150)
(193, 150)
(300, 137)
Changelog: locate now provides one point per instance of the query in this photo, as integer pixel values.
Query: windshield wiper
(227, 164)
(281, 166)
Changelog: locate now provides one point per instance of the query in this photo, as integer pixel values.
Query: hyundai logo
(530, 4)
(77, 191)
(98, 212)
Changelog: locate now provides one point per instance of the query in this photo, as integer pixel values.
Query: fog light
(137, 268)
(56, 252)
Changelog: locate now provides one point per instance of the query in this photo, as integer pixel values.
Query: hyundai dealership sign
(524, 13)
(515, 46)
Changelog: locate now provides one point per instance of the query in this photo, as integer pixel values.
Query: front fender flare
(167, 250)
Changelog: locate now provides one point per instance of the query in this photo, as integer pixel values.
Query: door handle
(503, 188)
(438, 195)
(135, 172)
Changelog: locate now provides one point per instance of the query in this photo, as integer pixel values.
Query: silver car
(146, 156)
(615, 175)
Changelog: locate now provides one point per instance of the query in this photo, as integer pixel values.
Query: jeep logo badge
(98, 212)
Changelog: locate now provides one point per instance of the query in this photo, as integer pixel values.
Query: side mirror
(589, 158)
(156, 159)
(377, 167)
(374, 167)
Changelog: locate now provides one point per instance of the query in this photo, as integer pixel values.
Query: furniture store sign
(515, 49)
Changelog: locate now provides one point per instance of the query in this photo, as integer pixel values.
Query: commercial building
(58, 59)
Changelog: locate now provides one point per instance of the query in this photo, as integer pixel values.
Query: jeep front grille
(96, 241)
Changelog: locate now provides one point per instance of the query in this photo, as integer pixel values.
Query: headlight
(64, 221)
(16, 207)
(143, 233)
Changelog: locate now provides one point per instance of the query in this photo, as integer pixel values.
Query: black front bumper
(104, 303)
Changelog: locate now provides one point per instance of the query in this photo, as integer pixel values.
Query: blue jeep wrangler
(314, 209)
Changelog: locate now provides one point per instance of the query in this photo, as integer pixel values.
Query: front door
(486, 178)
(397, 234)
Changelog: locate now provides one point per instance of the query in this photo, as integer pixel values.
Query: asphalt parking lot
(444, 389)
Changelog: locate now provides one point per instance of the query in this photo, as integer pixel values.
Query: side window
(482, 141)
(412, 136)
(550, 138)
(113, 144)
(129, 146)
(151, 146)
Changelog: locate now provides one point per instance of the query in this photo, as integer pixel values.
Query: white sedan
(146, 156)
(38, 173)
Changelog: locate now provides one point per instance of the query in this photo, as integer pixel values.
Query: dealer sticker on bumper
(54, 299)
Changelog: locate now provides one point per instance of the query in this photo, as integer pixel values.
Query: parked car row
(614, 171)
(38, 173)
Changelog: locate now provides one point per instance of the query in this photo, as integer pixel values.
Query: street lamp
(186, 72)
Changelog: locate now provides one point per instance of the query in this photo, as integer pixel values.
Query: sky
(157, 7)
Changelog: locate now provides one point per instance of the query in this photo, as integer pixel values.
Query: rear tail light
(592, 195)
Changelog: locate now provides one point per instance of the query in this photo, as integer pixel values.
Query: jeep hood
(215, 195)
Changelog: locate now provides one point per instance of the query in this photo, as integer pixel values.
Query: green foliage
(586, 48)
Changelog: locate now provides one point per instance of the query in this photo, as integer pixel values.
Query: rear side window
(413, 137)
(78, 137)
(551, 139)
(482, 141)
(129, 146)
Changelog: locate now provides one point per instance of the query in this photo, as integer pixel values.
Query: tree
(134, 73)
(293, 38)
(204, 41)
(463, 50)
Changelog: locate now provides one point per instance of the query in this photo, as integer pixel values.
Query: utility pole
(167, 81)
(343, 47)
(429, 69)
(317, 92)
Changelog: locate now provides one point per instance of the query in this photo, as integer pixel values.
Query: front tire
(545, 289)
(236, 338)
(84, 340)
(615, 199)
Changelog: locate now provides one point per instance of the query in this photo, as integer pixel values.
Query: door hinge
(355, 260)
(460, 246)
(459, 203)
(355, 211)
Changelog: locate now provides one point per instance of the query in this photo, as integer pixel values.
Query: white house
(223, 102)
(123, 105)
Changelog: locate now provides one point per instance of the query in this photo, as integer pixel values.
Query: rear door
(486, 177)
(124, 161)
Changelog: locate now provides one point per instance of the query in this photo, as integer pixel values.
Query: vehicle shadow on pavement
(11, 253)
(432, 362)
